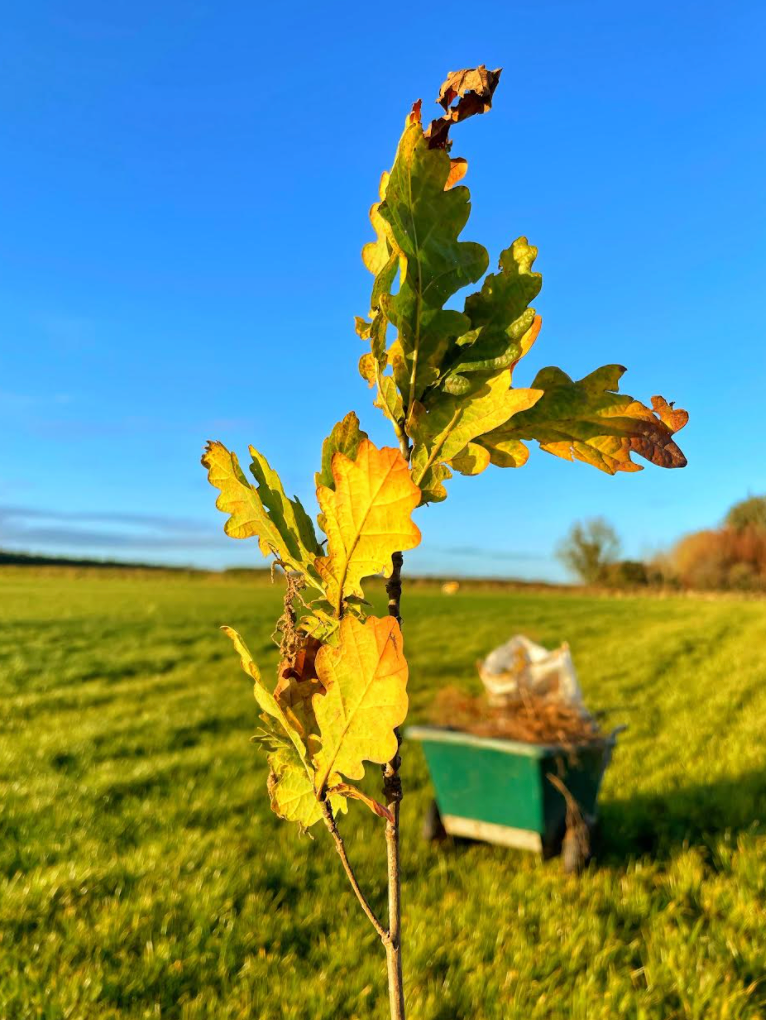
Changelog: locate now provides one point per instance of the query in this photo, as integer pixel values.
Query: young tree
(589, 549)
(444, 379)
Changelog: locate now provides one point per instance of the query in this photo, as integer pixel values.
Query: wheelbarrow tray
(498, 790)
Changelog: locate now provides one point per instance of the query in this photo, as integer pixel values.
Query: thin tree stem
(392, 790)
(340, 846)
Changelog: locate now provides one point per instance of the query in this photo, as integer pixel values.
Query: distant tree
(626, 574)
(589, 550)
(748, 513)
(722, 558)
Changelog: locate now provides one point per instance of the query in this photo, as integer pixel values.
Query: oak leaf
(365, 680)
(345, 438)
(458, 168)
(505, 296)
(293, 523)
(266, 701)
(472, 460)
(590, 421)
(438, 350)
(473, 89)
(296, 686)
(292, 792)
(281, 525)
(366, 517)
(452, 423)
(503, 325)
(425, 222)
(389, 400)
(368, 368)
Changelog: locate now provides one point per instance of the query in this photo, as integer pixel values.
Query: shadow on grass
(658, 823)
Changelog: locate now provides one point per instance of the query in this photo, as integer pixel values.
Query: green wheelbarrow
(540, 797)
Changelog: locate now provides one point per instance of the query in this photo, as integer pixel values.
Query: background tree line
(731, 557)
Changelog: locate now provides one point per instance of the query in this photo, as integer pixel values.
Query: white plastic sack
(520, 664)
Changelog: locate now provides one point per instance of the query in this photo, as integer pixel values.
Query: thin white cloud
(32, 527)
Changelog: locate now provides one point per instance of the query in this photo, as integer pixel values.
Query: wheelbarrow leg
(433, 829)
(577, 847)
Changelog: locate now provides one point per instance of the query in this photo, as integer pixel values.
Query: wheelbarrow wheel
(433, 829)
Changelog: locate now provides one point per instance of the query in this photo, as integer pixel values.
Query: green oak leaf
(344, 438)
(443, 432)
(294, 524)
(425, 222)
(590, 421)
(476, 355)
(505, 297)
(389, 400)
(292, 792)
(500, 316)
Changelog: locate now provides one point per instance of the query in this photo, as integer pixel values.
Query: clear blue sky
(184, 192)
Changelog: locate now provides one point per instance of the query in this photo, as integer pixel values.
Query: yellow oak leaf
(366, 517)
(472, 460)
(365, 680)
(281, 525)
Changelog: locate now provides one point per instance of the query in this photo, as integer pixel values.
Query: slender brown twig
(340, 846)
(392, 791)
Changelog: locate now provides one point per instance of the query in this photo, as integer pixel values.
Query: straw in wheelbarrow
(529, 717)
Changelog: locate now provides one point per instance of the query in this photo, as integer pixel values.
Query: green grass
(142, 873)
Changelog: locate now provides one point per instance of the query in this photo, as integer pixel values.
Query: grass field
(142, 873)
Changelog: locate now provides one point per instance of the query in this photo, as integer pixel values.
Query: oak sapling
(445, 380)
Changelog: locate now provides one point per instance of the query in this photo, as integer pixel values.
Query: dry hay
(531, 718)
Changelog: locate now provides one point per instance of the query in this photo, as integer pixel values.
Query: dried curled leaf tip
(473, 88)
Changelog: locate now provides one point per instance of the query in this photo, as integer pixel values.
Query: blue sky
(184, 192)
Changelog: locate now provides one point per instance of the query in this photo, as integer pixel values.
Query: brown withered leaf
(476, 80)
(304, 665)
(473, 89)
(297, 684)
(354, 793)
